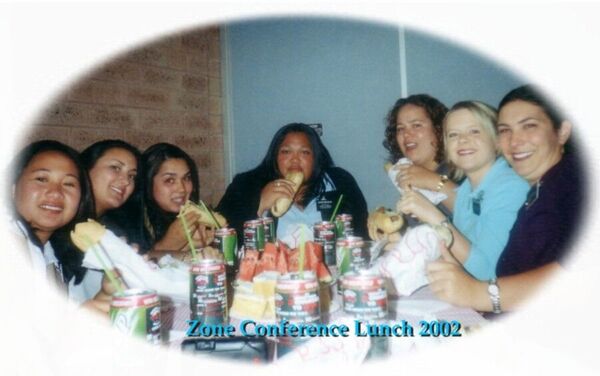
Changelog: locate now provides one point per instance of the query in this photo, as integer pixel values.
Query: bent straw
(109, 273)
(337, 206)
(186, 230)
(211, 214)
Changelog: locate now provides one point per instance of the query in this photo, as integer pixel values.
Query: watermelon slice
(268, 259)
(312, 260)
(294, 261)
(323, 273)
(248, 265)
(282, 264)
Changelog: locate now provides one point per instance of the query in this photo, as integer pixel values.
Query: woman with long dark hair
(50, 194)
(113, 167)
(170, 180)
(295, 147)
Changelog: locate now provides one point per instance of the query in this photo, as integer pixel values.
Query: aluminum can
(343, 225)
(254, 235)
(269, 224)
(324, 233)
(297, 298)
(137, 313)
(352, 254)
(364, 295)
(208, 292)
(226, 242)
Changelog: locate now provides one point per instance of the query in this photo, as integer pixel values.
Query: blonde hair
(486, 116)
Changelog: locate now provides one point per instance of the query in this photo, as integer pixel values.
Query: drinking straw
(112, 264)
(107, 270)
(211, 214)
(188, 235)
(337, 206)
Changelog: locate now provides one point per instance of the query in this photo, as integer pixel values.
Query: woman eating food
(295, 152)
(534, 139)
(170, 180)
(488, 199)
(415, 131)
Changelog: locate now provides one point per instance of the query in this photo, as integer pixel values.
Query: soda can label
(269, 224)
(352, 254)
(254, 235)
(343, 225)
(208, 292)
(226, 242)
(364, 295)
(137, 312)
(324, 233)
(297, 298)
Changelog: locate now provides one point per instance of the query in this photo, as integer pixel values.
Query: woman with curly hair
(414, 131)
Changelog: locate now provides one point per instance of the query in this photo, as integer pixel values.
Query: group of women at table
(511, 177)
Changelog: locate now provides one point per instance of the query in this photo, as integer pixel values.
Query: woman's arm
(415, 204)
(451, 283)
(420, 177)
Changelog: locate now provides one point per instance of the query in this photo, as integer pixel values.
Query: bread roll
(205, 217)
(283, 204)
(87, 234)
(386, 221)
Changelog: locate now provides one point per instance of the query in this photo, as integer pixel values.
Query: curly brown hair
(436, 111)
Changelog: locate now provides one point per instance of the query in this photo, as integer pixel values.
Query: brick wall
(165, 91)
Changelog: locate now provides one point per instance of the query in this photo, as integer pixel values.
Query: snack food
(255, 286)
(86, 234)
(283, 204)
(384, 221)
(205, 217)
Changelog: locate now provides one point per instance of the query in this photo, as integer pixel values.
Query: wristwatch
(494, 292)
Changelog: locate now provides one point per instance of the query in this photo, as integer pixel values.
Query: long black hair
(315, 185)
(157, 220)
(126, 220)
(66, 253)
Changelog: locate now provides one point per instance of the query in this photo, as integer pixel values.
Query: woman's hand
(415, 204)
(279, 188)
(203, 236)
(450, 282)
(101, 302)
(175, 238)
(418, 177)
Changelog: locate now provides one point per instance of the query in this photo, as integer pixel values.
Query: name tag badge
(324, 203)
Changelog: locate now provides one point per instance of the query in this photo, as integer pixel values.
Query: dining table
(421, 310)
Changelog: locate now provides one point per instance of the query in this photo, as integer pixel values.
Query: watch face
(493, 290)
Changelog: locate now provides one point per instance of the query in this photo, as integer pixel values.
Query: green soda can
(352, 254)
(254, 235)
(226, 242)
(343, 225)
(269, 224)
(137, 313)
